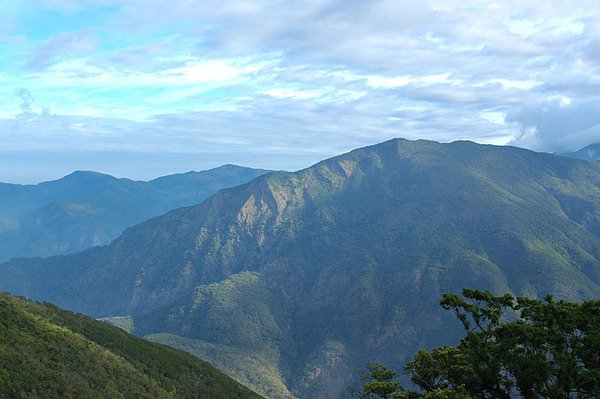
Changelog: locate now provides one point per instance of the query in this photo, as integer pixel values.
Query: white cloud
(557, 124)
(494, 117)
(60, 46)
(511, 84)
(325, 74)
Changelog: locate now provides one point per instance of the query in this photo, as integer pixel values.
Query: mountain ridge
(47, 352)
(305, 276)
(85, 209)
(588, 153)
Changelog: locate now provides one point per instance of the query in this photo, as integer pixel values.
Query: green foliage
(250, 369)
(433, 370)
(123, 322)
(514, 347)
(549, 351)
(379, 382)
(50, 353)
(446, 393)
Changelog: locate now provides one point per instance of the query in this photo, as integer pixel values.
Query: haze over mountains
(85, 209)
(294, 280)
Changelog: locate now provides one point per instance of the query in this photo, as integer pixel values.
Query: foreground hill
(46, 352)
(85, 209)
(293, 281)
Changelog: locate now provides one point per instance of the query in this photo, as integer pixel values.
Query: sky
(143, 88)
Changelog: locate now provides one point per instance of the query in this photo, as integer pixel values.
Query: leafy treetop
(514, 347)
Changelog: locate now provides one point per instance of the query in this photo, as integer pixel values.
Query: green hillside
(292, 282)
(46, 352)
(86, 209)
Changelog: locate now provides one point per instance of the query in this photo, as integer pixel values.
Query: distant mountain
(46, 352)
(85, 209)
(589, 153)
(293, 281)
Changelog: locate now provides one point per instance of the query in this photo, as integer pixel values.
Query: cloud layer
(282, 84)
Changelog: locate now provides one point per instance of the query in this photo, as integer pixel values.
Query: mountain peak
(81, 177)
(87, 173)
(322, 268)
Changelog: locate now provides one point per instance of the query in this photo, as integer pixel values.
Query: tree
(514, 347)
(379, 382)
(529, 348)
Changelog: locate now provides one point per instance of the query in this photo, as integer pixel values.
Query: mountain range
(292, 281)
(588, 153)
(46, 352)
(86, 209)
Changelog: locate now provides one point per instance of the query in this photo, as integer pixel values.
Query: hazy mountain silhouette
(85, 209)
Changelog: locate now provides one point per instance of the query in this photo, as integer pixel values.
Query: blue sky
(144, 88)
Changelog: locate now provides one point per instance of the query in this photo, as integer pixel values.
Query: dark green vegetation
(513, 348)
(589, 153)
(293, 281)
(48, 353)
(86, 209)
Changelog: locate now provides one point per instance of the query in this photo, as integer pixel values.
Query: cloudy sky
(141, 88)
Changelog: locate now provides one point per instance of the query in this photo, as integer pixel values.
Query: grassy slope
(249, 368)
(46, 352)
